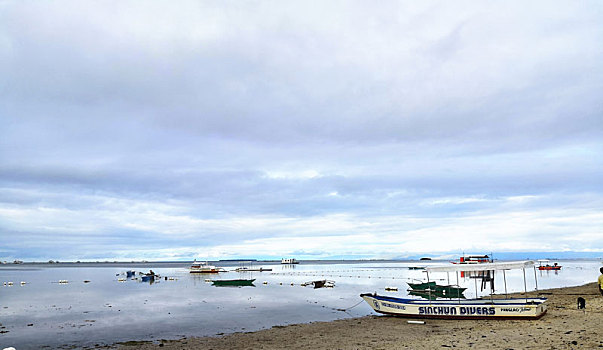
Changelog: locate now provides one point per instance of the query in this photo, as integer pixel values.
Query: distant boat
(249, 269)
(233, 283)
(425, 259)
(148, 277)
(319, 284)
(289, 261)
(474, 259)
(544, 265)
(199, 267)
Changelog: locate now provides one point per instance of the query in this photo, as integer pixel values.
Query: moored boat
(289, 261)
(530, 308)
(233, 283)
(199, 267)
(252, 269)
(519, 308)
(544, 265)
(474, 259)
(435, 294)
(443, 290)
(422, 285)
(147, 278)
(319, 284)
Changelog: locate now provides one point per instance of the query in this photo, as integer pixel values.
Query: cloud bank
(136, 129)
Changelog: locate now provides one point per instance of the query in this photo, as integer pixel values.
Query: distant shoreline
(55, 262)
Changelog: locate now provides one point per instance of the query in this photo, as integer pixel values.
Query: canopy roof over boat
(482, 267)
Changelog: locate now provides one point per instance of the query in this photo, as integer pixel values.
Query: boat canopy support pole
(525, 286)
(536, 279)
(428, 289)
(475, 280)
(492, 284)
(457, 284)
(505, 278)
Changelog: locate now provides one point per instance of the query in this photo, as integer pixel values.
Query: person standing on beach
(600, 281)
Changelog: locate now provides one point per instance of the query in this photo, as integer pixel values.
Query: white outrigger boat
(484, 308)
(200, 267)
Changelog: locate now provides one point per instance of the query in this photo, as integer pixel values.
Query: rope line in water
(351, 307)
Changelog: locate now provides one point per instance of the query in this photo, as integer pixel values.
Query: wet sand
(563, 327)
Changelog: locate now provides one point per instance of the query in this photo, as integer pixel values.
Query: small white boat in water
(252, 269)
(485, 308)
(289, 261)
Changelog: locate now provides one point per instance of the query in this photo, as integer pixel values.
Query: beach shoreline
(563, 327)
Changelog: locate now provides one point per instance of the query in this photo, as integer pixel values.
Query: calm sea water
(43, 313)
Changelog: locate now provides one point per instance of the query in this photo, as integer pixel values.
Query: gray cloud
(124, 121)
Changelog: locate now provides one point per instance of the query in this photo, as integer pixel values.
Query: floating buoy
(121, 280)
(10, 283)
(207, 280)
(23, 282)
(63, 281)
(265, 282)
(392, 289)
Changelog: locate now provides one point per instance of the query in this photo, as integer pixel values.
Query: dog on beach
(581, 303)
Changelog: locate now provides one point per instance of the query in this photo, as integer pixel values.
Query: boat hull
(534, 308)
(234, 283)
(422, 286)
(549, 268)
(204, 271)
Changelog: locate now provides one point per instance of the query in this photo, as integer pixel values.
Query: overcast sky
(310, 129)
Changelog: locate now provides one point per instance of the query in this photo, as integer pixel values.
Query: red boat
(547, 266)
(474, 259)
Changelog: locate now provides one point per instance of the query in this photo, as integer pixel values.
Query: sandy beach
(563, 327)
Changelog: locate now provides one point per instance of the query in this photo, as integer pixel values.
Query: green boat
(433, 294)
(450, 291)
(233, 283)
(422, 285)
(445, 291)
